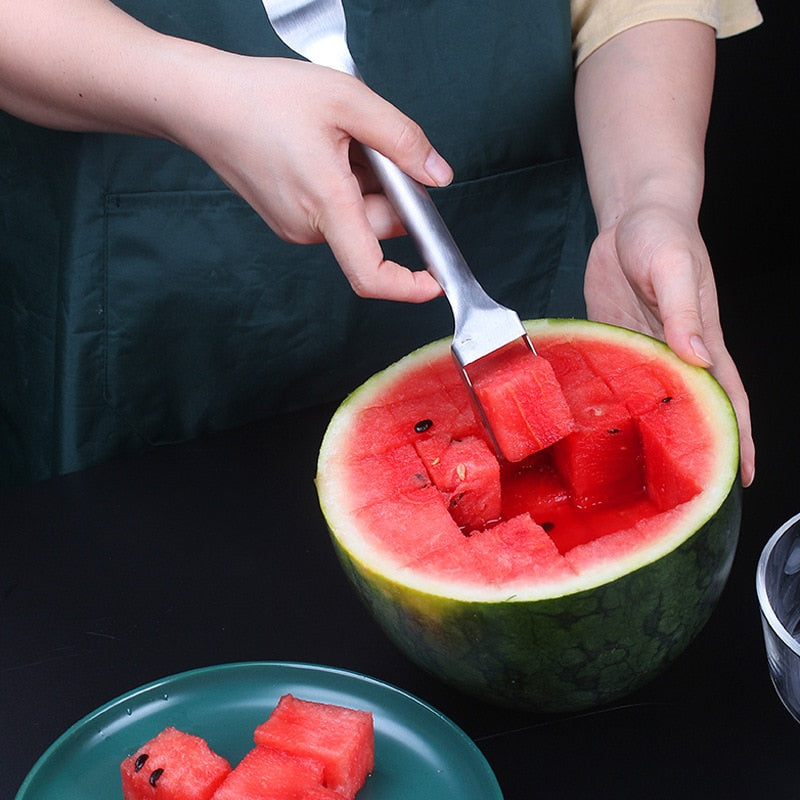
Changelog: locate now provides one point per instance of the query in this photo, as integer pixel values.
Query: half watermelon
(601, 558)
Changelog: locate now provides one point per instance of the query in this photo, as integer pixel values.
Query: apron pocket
(211, 320)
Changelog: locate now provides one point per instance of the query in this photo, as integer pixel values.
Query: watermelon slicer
(316, 30)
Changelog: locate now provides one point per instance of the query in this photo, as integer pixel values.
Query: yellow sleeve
(596, 21)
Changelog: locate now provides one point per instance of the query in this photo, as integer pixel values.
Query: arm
(277, 131)
(643, 101)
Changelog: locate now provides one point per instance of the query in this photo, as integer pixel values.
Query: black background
(214, 551)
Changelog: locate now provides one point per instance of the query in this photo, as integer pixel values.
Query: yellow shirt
(596, 21)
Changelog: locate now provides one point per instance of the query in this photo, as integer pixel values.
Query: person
(144, 145)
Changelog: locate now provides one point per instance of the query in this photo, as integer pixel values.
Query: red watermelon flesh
(561, 604)
(423, 517)
(672, 438)
(319, 793)
(173, 766)
(401, 466)
(341, 739)
(522, 400)
(534, 486)
(516, 549)
(601, 460)
(619, 455)
(268, 774)
(467, 474)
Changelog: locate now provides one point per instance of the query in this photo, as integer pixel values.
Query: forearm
(643, 102)
(86, 65)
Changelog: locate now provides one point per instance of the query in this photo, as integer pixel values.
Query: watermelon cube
(569, 365)
(411, 524)
(640, 387)
(467, 474)
(671, 445)
(601, 461)
(522, 400)
(516, 549)
(269, 774)
(375, 477)
(319, 793)
(173, 766)
(341, 739)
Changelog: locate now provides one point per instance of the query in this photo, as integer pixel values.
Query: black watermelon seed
(666, 399)
(548, 526)
(613, 430)
(155, 775)
(423, 425)
(139, 763)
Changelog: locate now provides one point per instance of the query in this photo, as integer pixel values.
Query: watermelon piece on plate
(522, 400)
(341, 739)
(269, 774)
(173, 765)
(319, 793)
(467, 473)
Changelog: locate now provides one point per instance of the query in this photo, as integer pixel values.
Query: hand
(281, 133)
(650, 272)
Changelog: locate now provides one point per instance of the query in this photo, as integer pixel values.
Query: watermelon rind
(572, 643)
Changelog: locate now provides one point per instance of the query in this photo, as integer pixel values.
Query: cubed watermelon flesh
(467, 473)
(341, 739)
(269, 774)
(174, 765)
(602, 458)
(305, 750)
(522, 400)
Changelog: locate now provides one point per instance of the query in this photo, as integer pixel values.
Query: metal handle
(439, 252)
(481, 324)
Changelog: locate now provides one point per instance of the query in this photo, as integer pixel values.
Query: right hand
(281, 133)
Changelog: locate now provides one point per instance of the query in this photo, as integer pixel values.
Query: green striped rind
(567, 646)
(564, 653)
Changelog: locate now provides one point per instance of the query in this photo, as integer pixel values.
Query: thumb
(684, 311)
(381, 126)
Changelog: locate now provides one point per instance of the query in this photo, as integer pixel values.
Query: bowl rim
(767, 610)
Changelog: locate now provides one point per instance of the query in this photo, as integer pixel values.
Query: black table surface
(215, 551)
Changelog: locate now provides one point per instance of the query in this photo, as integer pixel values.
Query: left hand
(650, 271)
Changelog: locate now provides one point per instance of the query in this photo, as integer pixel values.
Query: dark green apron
(141, 302)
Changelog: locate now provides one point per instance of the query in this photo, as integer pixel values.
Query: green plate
(419, 753)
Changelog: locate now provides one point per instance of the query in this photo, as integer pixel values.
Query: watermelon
(174, 765)
(305, 750)
(521, 399)
(612, 544)
(269, 774)
(341, 739)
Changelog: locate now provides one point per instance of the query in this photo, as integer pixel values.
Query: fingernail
(438, 169)
(700, 350)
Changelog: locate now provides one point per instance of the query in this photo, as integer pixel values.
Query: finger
(397, 137)
(693, 331)
(728, 377)
(382, 217)
(355, 246)
(680, 301)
